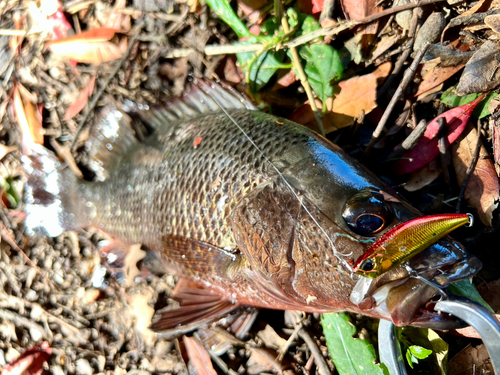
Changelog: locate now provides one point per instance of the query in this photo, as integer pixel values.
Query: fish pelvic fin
(198, 306)
(49, 195)
(206, 96)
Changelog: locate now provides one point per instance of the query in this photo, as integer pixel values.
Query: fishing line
(335, 252)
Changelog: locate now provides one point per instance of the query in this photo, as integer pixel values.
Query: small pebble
(83, 367)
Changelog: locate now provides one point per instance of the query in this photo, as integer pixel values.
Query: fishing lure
(405, 241)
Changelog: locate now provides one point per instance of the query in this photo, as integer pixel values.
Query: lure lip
(375, 261)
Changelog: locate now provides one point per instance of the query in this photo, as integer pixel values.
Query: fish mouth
(405, 300)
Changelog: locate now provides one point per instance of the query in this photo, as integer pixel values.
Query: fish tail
(49, 195)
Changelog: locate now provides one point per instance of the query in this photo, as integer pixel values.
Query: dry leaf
(481, 72)
(198, 356)
(423, 176)
(30, 362)
(28, 116)
(471, 360)
(81, 100)
(357, 94)
(91, 47)
(426, 148)
(143, 314)
(263, 360)
(483, 188)
(4, 150)
(271, 339)
(481, 5)
(433, 75)
(358, 10)
(493, 22)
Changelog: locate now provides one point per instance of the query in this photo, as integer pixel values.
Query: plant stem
(303, 79)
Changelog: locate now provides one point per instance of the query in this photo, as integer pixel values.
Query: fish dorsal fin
(205, 96)
(111, 136)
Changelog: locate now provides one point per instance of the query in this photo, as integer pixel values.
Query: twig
(289, 342)
(470, 168)
(410, 72)
(443, 147)
(316, 353)
(303, 79)
(7, 238)
(417, 14)
(211, 50)
(22, 321)
(135, 34)
(411, 140)
(336, 29)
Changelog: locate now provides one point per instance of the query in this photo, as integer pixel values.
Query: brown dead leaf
(471, 360)
(483, 188)
(271, 339)
(263, 360)
(91, 47)
(28, 116)
(480, 6)
(481, 72)
(198, 356)
(358, 10)
(423, 176)
(4, 150)
(81, 100)
(357, 94)
(434, 74)
(3, 108)
(493, 22)
(491, 294)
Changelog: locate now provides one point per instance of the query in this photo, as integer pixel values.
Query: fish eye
(367, 265)
(367, 213)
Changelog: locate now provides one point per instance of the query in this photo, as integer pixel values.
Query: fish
(246, 208)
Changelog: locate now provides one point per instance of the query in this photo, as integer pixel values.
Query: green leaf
(419, 351)
(466, 289)
(322, 66)
(350, 355)
(412, 338)
(223, 9)
(453, 100)
(263, 68)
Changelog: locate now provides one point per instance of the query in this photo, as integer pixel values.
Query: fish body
(258, 209)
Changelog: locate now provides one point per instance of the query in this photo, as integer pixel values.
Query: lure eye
(367, 213)
(367, 265)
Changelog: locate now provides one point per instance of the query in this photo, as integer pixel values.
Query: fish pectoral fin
(198, 306)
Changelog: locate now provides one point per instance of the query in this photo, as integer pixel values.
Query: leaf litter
(54, 56)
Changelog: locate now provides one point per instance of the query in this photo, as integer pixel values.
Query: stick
(316, 353)
(410, 72)
(97, 96)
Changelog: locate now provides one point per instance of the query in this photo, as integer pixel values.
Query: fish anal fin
(198, 306)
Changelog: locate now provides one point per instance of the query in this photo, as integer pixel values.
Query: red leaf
(198, 356)
(81, 100)
(91, 47)
(59, 25)
(30, 362)
(427, 147)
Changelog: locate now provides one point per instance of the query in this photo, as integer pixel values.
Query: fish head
(339, 210)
